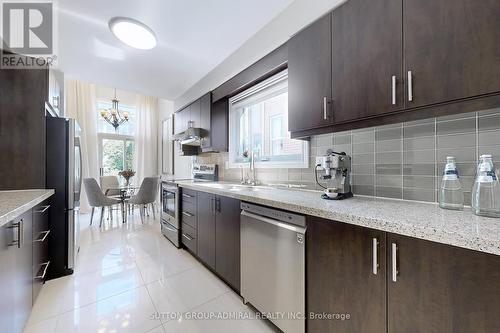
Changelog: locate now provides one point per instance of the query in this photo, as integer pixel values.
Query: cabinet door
(219, 127)
(310, 77)
(181, 120)
(206, 228)
(195, 113)
(205, 116)
(442, 289)
(451, 49)
(23, 94)
(342, 277)
(367, 59)
(22, 282)
(7, 277)
(227, 236)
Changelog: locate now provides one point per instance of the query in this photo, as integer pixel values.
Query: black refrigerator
(64, 175)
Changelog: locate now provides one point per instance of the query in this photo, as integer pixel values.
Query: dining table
(125, 193)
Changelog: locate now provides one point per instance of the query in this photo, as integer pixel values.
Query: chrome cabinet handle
(410, 86)
(189, 238)
(187, 196)
(395, 271)
(187, 214)
(217, 204)
(46, 264)
(168, 228)
(393, 88)
(21, 234)
(47, 207)
(16, 242)
(375, 256)
(45, 235)
(325, 107)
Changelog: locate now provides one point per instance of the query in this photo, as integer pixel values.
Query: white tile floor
(128, 274)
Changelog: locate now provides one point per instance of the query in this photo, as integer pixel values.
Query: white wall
(182, 164)
(295, 17)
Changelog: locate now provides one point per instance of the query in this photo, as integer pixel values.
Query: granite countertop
(415, 219)
(15, 203)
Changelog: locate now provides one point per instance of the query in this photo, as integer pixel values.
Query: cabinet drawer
(40, 220)
(41, 235)
(188, 196)
(189, 236)
(188, 214)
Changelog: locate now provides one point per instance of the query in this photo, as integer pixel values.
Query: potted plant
(127, 174)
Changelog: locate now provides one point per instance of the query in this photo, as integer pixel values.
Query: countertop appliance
(171, 202)
(337, 168)
(64, 175)
(273, 264)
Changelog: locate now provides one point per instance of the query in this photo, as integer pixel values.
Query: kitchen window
(258, 123)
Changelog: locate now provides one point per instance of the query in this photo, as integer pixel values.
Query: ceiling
(194, 36)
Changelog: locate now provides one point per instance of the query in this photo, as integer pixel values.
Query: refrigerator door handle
(71, 238)
(71, 164)
(78, 187)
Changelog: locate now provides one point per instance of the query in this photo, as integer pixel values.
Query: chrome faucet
(250, 181)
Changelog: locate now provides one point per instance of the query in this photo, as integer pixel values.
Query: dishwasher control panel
(273, 213)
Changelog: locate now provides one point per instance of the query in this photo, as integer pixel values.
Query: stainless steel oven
(170, 212)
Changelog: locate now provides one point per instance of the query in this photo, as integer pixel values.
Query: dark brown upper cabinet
(346, 274)
(195, 114)
(439, 288)
(211, 117)
(367, 60)
(451, 49)
(430, 57)
(205, 120)
(310, 77)
(181, 120)
(23, 97)
(219, 126)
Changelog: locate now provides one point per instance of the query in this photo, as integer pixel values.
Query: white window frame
(119, 137)
(272, 82)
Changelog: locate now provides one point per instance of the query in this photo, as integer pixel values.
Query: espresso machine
(337, 167)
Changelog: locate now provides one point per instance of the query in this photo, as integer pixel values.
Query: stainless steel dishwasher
(273, 265)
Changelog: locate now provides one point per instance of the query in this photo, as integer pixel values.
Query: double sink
(237, 187)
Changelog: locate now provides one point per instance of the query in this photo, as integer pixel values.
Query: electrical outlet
(319, 160)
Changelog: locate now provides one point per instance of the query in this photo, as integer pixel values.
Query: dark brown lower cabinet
(206, 228)
(345, 275)
(419, 286)
(7, 276)
(442, 289)
(227, 240)
(16, 278)
(216, 241)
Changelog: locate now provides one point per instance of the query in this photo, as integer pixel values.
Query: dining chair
(147, 195)
(109, 185)
(97, 198)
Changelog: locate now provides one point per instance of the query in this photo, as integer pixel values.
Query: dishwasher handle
(277, 223)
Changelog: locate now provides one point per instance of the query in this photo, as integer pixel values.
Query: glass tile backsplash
(403, 161)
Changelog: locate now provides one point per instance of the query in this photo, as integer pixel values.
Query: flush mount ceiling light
(133, 33)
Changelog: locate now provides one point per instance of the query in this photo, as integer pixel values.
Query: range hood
(190, 137)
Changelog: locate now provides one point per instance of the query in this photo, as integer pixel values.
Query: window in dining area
(116, 148)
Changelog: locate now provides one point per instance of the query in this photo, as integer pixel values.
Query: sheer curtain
(81, 105)
(146, 144)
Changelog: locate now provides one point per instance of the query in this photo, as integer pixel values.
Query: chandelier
(113, 116)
